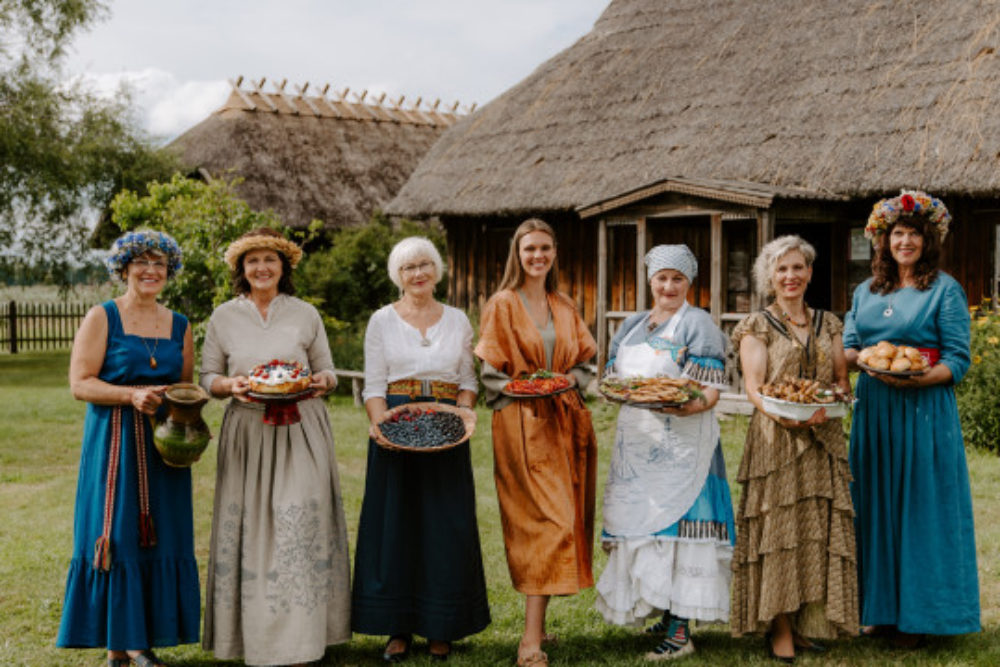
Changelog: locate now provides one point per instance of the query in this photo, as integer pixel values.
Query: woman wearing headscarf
(794, 571)
(418, 565)
(668, 516)
(278, 575)
(133, 580)
(544, 449)
(916, 539)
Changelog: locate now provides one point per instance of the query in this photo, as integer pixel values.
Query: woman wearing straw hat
(133, 580)
(278, 575)
(916, 538)
(668, 517)
(418, 565)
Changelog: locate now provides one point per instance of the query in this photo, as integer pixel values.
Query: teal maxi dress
(150, 597)
(915, 535)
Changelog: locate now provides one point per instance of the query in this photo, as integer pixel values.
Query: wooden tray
(558, 391)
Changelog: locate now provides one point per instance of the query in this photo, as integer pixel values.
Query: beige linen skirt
(278, 587)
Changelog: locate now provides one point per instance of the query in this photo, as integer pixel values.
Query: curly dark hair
(242, 286)
(885, 270)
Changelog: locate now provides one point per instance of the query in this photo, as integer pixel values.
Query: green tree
(65, 152)
(204, 218)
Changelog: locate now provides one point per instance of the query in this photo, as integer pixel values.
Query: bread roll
(878, 363)
(885, 349)
(865, 354)
(900, 364)
(913, 354)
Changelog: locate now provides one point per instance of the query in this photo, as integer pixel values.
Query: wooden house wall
(477, 254)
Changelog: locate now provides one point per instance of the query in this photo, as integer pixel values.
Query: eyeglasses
(158, 264)
(425, 267)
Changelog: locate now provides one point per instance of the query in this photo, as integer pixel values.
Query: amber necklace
(788, 318)
(156, 343)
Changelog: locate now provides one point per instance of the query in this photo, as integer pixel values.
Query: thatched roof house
(722, 123)
(335, 157)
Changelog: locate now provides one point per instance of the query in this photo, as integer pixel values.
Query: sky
(178, 55)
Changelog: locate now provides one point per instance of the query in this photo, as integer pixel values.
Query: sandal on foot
(534, 659)
(806, 644)
(119, 662)
(877, 631)
(439, 655)
(147, 659)
(671, 650)
(550, 639)
(397, 656)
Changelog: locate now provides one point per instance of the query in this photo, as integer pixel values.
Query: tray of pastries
(800, 398)
(889, 359)
(654, 392)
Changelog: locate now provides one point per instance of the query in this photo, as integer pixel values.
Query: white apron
(660, 462)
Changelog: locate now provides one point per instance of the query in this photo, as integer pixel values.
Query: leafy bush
(979, 392)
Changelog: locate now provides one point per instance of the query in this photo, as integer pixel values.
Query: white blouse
(395, 350)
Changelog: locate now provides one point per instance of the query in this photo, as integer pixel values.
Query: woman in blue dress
(133, 579)
(668, 515)
(915, 538)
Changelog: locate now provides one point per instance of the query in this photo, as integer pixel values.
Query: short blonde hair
(763, 267)
(410, 250)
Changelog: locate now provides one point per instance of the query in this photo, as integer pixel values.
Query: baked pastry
(885, 356)
(900, 364)
(279, 377)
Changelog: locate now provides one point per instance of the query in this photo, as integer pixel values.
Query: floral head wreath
(130, 245)
(257, 240)
(909, 204)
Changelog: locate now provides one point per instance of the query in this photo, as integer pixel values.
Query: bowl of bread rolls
(884, 357)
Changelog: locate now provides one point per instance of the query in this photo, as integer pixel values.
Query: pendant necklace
(788, 318)
(156, 344)
(888, 309)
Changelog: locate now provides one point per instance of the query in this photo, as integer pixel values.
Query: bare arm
(375, 407)
(753, 361)
(840, 363)
(86, 359)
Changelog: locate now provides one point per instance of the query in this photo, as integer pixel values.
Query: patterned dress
(150, 597)
(916, 538)
(278, 588)
(795, 549)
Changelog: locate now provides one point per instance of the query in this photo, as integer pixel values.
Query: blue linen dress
(150, 597)
(915, 535)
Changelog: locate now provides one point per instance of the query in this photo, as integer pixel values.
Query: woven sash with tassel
(147, 533)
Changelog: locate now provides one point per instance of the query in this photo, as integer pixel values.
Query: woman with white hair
(794, 572)
(668, 515)
(418, 565)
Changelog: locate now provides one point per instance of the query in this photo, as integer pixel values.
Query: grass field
(40, 427)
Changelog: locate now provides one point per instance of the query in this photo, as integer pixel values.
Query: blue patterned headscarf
(677, 257)
(130, 245)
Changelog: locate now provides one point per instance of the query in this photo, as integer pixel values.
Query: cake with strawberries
(279, 377)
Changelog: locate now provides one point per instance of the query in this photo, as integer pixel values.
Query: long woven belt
(413, 388)
(147, 533)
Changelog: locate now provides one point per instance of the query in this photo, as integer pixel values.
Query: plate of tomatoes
(538, 384)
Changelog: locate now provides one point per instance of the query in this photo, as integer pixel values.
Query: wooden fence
(39, 326)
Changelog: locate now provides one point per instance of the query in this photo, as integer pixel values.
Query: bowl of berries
(424, 427)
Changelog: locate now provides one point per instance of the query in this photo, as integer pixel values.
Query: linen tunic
(795, 550)
(278, 572)
(668, 515)
(544, 450)
(916, 538)
(151, 595)
(418, 565)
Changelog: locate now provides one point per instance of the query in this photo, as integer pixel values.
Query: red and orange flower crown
(909, 204)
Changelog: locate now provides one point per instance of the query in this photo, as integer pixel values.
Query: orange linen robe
(544, 450)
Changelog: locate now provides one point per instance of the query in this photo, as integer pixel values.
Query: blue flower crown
(130, 245)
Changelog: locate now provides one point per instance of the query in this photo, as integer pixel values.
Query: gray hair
(410, 250)
(763, 267)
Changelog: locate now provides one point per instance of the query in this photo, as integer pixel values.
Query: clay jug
(184, 435)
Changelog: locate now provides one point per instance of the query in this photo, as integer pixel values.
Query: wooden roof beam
(279, 89)
(301, 94)
(243, 96)
(258, 88)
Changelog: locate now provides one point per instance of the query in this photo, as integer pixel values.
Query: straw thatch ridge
(856, 97)
(338, 165)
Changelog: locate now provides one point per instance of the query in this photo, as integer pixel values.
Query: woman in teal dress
(133, 579)
(915, 537)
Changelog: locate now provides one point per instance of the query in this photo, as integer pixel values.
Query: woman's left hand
(692, 407)
(322, 383)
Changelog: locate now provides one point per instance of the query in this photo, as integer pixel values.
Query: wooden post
(765, 233)
(602, 293)
(715, 273)
(12, 317)
(640, 267)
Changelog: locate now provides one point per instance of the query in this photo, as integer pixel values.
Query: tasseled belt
(147, 533)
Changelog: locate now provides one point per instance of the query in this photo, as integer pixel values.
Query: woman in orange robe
(544, 449)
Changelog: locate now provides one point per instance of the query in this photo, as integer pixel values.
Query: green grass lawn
(40, 428)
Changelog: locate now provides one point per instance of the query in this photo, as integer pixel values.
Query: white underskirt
(648, 575)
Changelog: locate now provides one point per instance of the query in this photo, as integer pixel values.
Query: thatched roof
(308, 157)
(856, 97)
